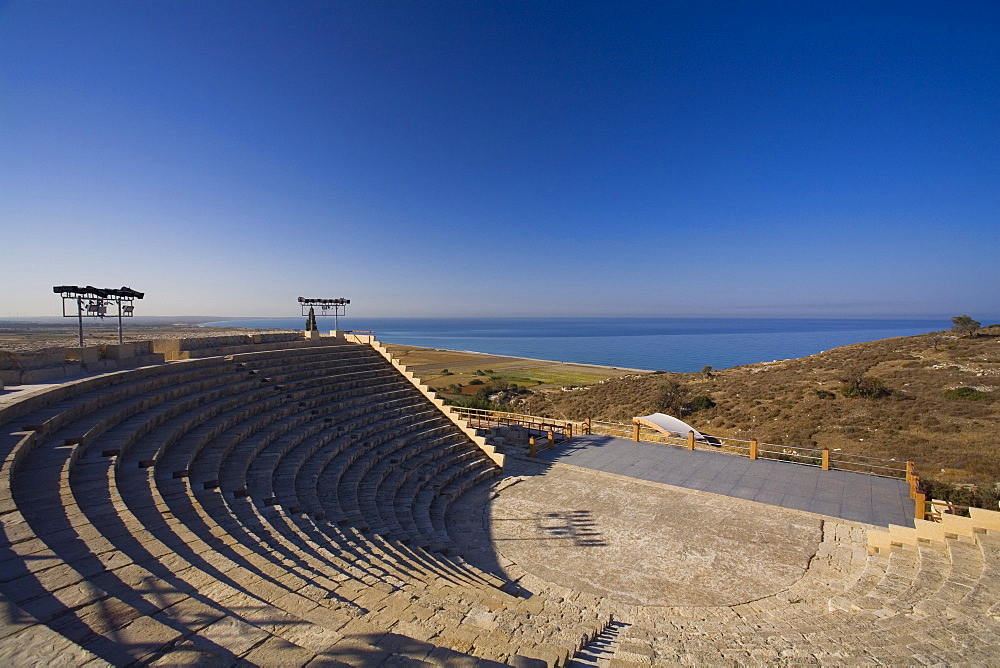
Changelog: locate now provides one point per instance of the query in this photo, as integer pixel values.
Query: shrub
(966, 393)
(445, 372)
(473, 402)
(866, 387)
(701, 403)
(475, 381)
(672, 398)
(976, 496)
(825, 394)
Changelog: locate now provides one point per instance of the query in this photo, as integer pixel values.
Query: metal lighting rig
(93, 302)
(325, 306)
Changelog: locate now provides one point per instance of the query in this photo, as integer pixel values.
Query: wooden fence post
(635, 432)
(690, 440)
(532, 449)
(919, 505)
(826, 459)
(753, 448)
(552, 439)
(586, 426)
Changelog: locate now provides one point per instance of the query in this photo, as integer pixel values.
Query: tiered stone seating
(277, 507)
(915, 602)
(292, 506)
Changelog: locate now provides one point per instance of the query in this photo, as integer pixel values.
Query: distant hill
(953, 436)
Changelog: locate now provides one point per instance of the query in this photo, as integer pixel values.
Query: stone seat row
(120, 556)
(60, 504)
(51, 407)
(245, 522)
(930, 596)
(930, 602)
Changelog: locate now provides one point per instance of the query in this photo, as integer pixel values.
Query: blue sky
(503, 158)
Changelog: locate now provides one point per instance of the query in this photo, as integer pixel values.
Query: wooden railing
(823, 458)
(485, 419)
(930, 509)
(753, 449)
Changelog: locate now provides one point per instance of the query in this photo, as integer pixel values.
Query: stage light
(97, 300)
(337, 305)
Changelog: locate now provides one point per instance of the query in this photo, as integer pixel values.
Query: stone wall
(55, 364)
(213, 346)
(36, 366)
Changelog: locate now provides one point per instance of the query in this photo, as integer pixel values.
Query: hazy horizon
(201, 319)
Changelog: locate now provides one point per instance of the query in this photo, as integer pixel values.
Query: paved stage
(850, 496)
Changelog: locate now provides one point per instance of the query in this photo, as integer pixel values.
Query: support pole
(79, 316)
(532, 449)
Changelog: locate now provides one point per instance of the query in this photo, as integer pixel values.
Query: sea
(664, 344)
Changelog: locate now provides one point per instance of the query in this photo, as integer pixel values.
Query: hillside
(801, 402)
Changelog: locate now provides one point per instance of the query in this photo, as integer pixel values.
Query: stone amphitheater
(275, 501)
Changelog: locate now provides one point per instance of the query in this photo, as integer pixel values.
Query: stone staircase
(601, 650)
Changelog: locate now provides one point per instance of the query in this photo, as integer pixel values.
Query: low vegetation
(966, 394)
(866, 387)
(930, 398)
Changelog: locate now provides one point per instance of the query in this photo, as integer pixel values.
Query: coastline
(670, 344)
(479, 353)
(641, 345)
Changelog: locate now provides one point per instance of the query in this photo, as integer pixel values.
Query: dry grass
(430, 363)
(783, 402)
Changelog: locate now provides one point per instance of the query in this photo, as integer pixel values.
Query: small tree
(965, 326)
(707, 371)
(672, 398)
(866, 387)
